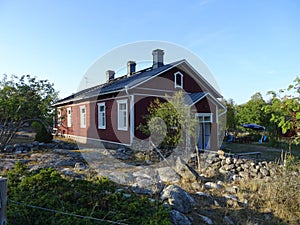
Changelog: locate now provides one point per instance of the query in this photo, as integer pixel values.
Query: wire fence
(65, 213)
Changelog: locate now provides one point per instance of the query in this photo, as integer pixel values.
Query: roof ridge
(116, 84)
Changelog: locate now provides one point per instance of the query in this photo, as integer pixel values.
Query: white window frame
(203, 116)
(175, 80)
(82, 116)
(122, 115)
(69, 117)
(58, 117)
(101, 116)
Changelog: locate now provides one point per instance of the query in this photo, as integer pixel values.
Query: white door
(205, 120)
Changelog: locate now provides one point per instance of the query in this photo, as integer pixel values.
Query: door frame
(204, 118)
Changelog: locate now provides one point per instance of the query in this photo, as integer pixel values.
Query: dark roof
(192, 98)
(118, 84)
(123, 82)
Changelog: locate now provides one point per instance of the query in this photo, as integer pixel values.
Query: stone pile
(166, 181)
(34, 146)
(234, 168)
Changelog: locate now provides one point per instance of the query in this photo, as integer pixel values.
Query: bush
(42, 135)
(97, 199)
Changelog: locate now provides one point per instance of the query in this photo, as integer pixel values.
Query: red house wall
(165, 82)
(144, 94)
(111, 133)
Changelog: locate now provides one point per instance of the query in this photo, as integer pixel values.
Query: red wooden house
(111, 112)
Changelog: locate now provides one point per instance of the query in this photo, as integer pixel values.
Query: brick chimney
(110, 75)
(158, 58)
(130, 67)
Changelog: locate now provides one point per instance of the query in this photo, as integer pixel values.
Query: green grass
(267, 152)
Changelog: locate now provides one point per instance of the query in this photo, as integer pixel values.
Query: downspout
(223, 112)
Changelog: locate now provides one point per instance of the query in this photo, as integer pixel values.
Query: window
(101, 116)
(82, 117)
(205, 117)
(69, 117)
(122, 115)
(58, 117)
(178, 80)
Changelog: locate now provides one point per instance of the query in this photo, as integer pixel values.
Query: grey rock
(222, 157)
(36, 143)
(184, 170)
(63, 162)
(208, 198)
(168, 175)
(179, 199)
(228, 160)
(244, 174)
(79, 166)
(236, 177)
(253, 170)
(232, 190)
(228, 221)
(178, 218)
(239, 169)
(264, 171)
(206, 219)
(222, 170)
(212, 185)
(203, 194)
(147, 181)
(228, 167)
(231, 197)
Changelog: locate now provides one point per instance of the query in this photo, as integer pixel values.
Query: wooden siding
(165, 82)
(143, 94)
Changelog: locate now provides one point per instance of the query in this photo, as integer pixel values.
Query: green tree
(23, 100)
(169, 121)
(284, 109)
(252, 112)
(231, 114)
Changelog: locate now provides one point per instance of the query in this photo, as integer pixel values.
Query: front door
(205, 120)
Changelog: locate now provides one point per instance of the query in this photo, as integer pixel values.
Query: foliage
(98, 199)
(23, 100)
(231, 114)
(251, 112)
(168, 122)
(285, 110)
(42, 134)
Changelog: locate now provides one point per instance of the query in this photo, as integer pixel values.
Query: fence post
(3, 200)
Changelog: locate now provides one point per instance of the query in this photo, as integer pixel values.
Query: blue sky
(249, 46)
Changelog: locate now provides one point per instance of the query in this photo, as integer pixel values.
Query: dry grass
(279, 197)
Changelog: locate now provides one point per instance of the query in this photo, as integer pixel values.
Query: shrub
(97, 199)
(42, 135)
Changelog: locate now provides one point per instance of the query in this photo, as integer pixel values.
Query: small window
(58, 117)
(101, 116)
(205, 117)
(122, 115)
(178, 80)
(82, 117)
(69, 117)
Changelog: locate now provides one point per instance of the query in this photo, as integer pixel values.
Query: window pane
(178, 80)
(122, 106)
(122, 115)
(207, 118)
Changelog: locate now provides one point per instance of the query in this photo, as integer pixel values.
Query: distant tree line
(280, 114)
